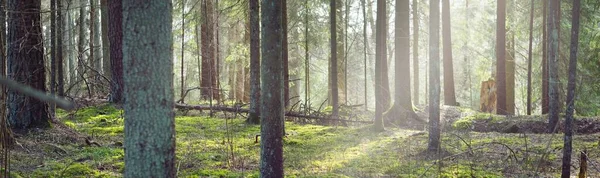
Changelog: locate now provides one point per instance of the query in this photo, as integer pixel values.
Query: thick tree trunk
(510, 75)
(449, 94)
(209, 68)
(529, 58)
(25, 61)
(115, 18)
(402, 68)
(501, 58)
(149, 122)
(434, 79)
(341, 50)
(380, 60)
(416, 51)
(254, 115)
(553, 83)
(272, 97)
(568, 139)
(333, 67)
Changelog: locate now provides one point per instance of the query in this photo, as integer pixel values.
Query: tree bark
(59, 50)
(53, 61)
(148, 66)
(380, 60)
(105, 43)
(434, 79)
(209, 69)
(501, 58)
(545, 96)
(416, 51)
(25, 61)
(182, 77)
(272, 86)
(529, 58)
(92, 58)
(365, 51)
(333, 64)
(81, 41)
(553, 83)
(115, 16)
(568, 138)
(449, 94)
(510, 74)
(254, 114)
(284, 54)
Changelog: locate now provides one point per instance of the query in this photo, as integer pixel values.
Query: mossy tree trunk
(148, 78)
(25, 62)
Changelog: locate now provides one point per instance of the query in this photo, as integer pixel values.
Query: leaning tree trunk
(568, 139)
(149, 122)
(115, 18)
(25, 64)
(272, 99)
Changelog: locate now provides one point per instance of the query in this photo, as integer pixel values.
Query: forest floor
(474, 144)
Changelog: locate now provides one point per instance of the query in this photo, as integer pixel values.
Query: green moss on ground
(216, 147)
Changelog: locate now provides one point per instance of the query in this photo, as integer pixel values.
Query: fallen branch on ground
(243, 110)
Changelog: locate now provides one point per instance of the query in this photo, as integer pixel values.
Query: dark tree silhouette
(333, 68)
(254, 115)
(115, 17)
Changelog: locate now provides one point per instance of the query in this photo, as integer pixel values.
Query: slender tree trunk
(149, 122)
(59, 50)
(568, 139)
(510, 74)
(341, 51)
(272, 97)
(545, 96)
(5, 132)
(346, 49)
(416, 51)
(381, 56)
(307, 58)
(115, 18)
(529, 58)
(284, 54)
(70, 29)
(182, 76)
(434, 79)
(25, 61)
(553, 83)
(105, 42)
(53, 61)
(365, 51)
(333, 65)
(449, 94)
(92, 59)
(81, 42)
(254, 115)
(501, 58)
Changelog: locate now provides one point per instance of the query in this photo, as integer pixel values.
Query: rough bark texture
(25, 62)
(449, 94)
(209, 68)
(333, 64)
(553, 83)
(105, 43)
(501, 57)
(416, 90)
(529, 58)
(52, 53)
(115, 17)
(81, 41)
(568, 139)
(284, 53)
(254, 115)
(272, 103)
(380, 59)
(70, 36)
(545, 96)
(148, 66)
(93, 51)
(341, 50)
(434, 79)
